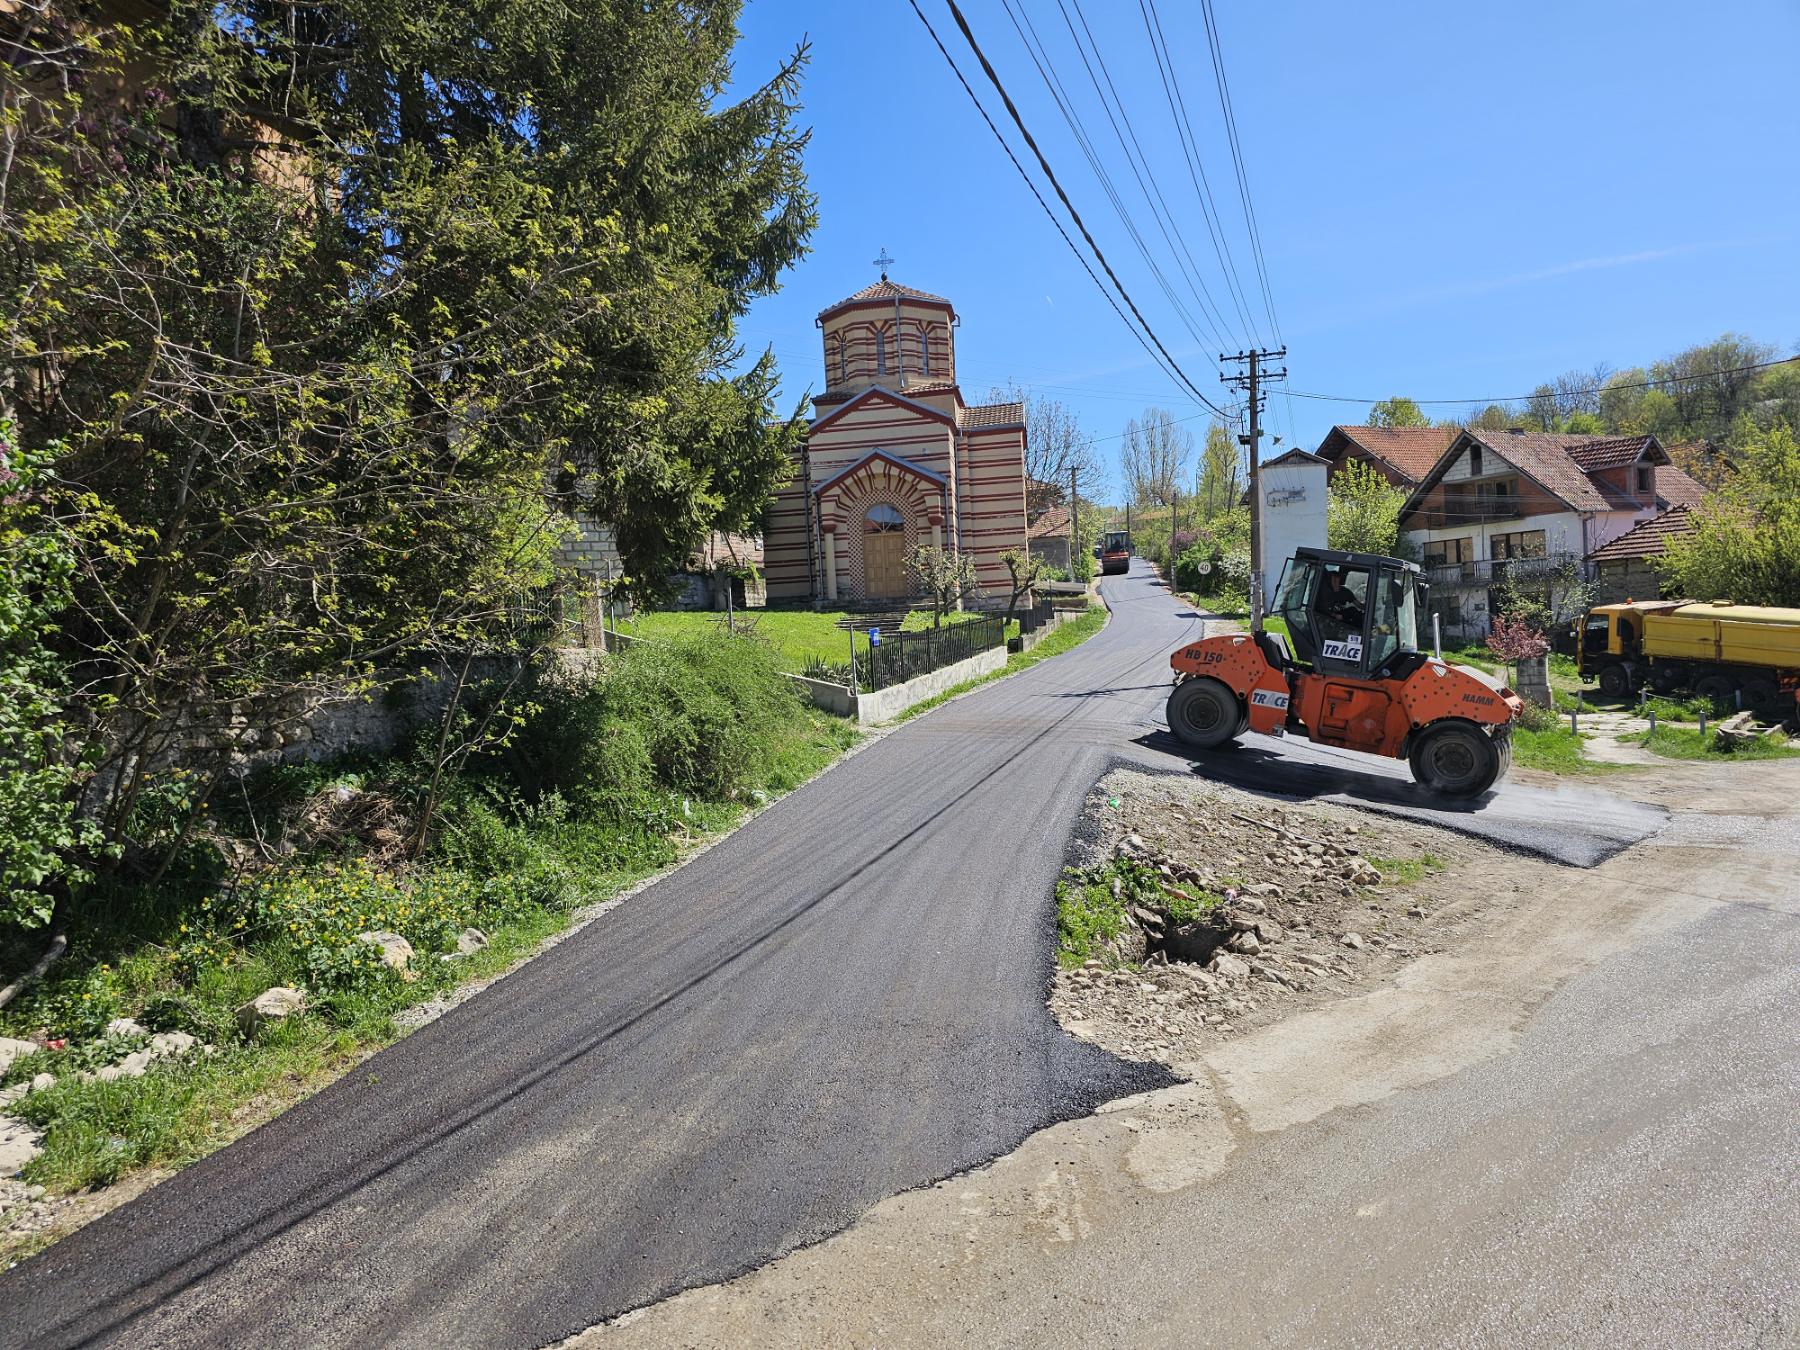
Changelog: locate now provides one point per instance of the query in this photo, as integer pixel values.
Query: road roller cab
(1339, 663)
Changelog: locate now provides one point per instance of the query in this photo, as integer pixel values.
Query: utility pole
(1253, 382)
(1074, 533)
(1174, 513)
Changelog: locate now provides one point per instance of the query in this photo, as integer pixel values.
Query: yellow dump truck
(1740, 656)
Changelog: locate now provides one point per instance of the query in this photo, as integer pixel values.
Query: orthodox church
(894, 459)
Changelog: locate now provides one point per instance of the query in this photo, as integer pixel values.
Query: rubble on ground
(1292, 910)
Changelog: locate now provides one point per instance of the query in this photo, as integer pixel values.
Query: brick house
(895, 459)
(1522, 505)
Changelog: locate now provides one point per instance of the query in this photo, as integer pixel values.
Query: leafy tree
(1221, 472)
(1397, 412)
(306, 376)
(39, 836)
(1745, 544)
(1154, 457)
(1055, 444)
(1515, 639)
(1362, 513)
(1544, 598)
(1024, 570)
(944, 577)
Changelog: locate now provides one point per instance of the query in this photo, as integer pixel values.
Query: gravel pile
(1306, 914)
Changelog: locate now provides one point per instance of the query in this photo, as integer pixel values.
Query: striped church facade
(895, 459)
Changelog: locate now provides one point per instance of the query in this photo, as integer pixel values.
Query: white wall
(1293, 514)
(1562, 533)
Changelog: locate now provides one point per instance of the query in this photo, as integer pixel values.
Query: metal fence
(899, 657)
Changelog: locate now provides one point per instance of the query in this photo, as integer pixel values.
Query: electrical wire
(1164, 362)
(1237, 160)
(1136, 157)
(1049, 173)
(1040, 58)
(1184, 131)
(1662, 383)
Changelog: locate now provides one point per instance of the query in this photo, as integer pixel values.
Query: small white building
(1293, 488)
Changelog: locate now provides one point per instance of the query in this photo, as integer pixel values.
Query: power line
(1662, 383)
(1170, 368)
(1049, 173)
(1237, 160)
(1184, 132)
(1034, 45)
(1152, 190)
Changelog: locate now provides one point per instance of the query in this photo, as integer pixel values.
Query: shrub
(701, 716)
(39, 838)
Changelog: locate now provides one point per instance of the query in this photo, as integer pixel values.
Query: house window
(924, 354)
(1449, 552)
(1646, 480)
(1474, 461)
(881, 353)
(1519, 544)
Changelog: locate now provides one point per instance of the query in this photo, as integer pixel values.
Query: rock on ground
(272, 1005)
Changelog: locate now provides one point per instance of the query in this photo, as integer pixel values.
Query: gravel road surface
(842, 1001)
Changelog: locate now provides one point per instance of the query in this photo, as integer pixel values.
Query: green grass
(184, 953)
(798, 635)
(1688, 743)
(1071, 634)
(1089, 914)
(1553, 748)
(1226, 606)
(1406, 871)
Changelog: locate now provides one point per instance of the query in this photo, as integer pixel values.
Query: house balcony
(1480, 576)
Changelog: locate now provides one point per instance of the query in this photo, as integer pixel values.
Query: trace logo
(1268, 698)
(1350, 649)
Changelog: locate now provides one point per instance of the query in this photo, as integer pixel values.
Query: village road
(842, 1001)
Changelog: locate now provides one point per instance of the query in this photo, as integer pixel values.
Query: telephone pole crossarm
(1252, 382)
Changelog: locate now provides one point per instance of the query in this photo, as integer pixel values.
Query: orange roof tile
(1411, 450)
(1648, 539)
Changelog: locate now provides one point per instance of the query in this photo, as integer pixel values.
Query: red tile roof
(1676, 487)
(1552, 458)
(1615, 452)
(1648, 539)
(1411, 450)
(1055, 520)
(992, 415)
(884, 290)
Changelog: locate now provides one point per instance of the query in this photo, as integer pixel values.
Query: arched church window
(880, 353)
(924, 353)
(883, 519)
(838, 372)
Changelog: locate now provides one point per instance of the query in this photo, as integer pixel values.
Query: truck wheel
(1202, 713)
(1721, 691)
(1456, 759)
(1666, 679)
(1615, 682)
(1763, 698)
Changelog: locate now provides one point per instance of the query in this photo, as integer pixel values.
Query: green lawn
(799, 635)
(1071, 634)
(1688, 743)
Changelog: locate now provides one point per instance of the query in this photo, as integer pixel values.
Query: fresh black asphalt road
(843, 1000)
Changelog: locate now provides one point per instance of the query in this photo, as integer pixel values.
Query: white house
(1293, 509)
(1523, 504)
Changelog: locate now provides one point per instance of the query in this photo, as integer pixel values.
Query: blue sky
(1454, 200)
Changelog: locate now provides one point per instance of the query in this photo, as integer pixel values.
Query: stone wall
(1629, 579)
